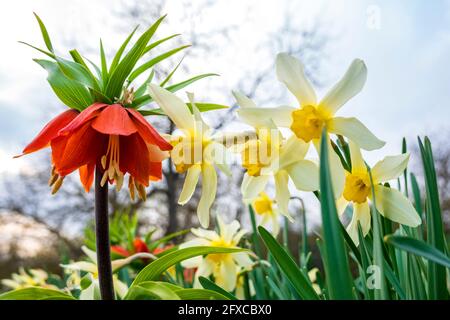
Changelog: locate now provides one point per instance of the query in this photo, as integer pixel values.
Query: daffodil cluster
(269, 156)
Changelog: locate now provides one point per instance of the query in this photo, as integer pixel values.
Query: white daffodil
(32, 278)
(308, 119)
(269, 155)
(92, 291)
(225, 267)
(391, 203)
(266, 208)
(195, 150)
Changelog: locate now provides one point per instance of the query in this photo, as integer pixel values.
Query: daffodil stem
(102, 238)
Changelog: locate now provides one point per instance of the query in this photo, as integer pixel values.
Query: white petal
(393, 205)
(207, 234)
(341, 205)
(242, 259)
(305, 175)
(390, 167)
(209, 188)
(353, 129)
(90, 253)
(192, 262)
(227, 274)
(194, 242)
(237, 237)
(361, 214)
(350, 85)
(358, 164)
(282, 194)
(252, 186)
(120, 288)
(336, 169)
(173, 106)
(81, 266)
(190, 182)
(243, 101)
(205, 269)
(290, 71)
(258, 117)
(293, 150)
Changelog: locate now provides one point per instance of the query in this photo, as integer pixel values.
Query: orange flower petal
(147, 132)
(50, 131)
(87, 175)
(114, 119)
(82, 147)
(87, 114)
(134, 158)
(155, 171)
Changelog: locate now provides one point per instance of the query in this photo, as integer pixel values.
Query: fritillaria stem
(102, 236)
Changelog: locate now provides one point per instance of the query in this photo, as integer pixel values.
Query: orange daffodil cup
(116, 138)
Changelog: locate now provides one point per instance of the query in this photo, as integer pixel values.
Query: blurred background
(405, 45)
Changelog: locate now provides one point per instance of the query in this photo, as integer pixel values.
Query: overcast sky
(405, 44)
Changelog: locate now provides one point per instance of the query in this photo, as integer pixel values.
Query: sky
(405, 44)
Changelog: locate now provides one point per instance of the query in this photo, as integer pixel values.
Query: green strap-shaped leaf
(157, 267)
(418, 248)
(147, 65)
(157, 43)
(71, 93)
(288, 266)
(119, 74)
(35, 293)
(201, 106)
(336, 265)
(208, 284)
(44, 32)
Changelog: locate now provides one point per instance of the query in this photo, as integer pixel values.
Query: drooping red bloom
(116, 138)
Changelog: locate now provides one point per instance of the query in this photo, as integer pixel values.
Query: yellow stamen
(57, 185)
(110, 163)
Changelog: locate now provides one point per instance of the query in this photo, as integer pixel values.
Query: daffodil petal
(358, 164)
(252, 186)
(350, 85)
(353, 129)
(242, 259)
(390, 167)
(258, 117)
(205, 269)
(228, 275)
(293, 150)
(393, 205)
(237, 237)
(336, 169)
(173, 106)
(282, 194)
(209, 188)
(190, 183)
(290, 71)
(305, 175)
(341, 205)
(207, 234)
(361, 214)
(243, 101)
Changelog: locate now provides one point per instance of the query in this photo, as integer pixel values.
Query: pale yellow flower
(270, 156)
(240, 286)
(93, 290)
(266, 208)
(30, 278)
(308, 119)
(225, 267)
(391, 203)
(195, 150)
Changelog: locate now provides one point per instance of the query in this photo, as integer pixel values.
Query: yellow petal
(190, 182)
(173, 106)
(209, 188)
(305, 175)
(390, 167)
(227, 275)
(252, 186)
(350, 85)
(290, 71)
(282, 194)
(353, 129)
(393, 205)
(258, 117)
(361, 214)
